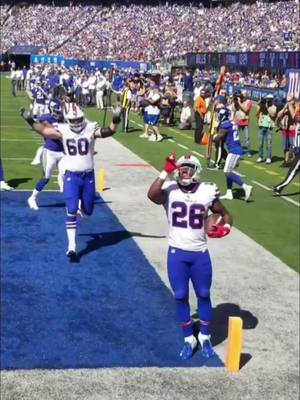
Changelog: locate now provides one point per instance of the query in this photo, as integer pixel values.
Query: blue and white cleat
(188, 348)
(207, 350)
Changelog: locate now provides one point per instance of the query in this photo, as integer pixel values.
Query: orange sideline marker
(234, 347)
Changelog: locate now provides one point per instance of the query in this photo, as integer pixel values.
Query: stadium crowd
(151, 33)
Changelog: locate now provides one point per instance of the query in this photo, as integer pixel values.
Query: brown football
(211, 220)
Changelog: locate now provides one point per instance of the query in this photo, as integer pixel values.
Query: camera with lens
(263, 101)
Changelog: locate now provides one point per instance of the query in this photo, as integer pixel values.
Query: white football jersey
(78, 147)
(186, 212)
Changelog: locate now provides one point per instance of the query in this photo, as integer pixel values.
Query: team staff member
(295, 166)
(200, 111)
(126, 104)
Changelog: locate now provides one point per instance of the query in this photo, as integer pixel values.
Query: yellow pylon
(234, 347)
(101, 176)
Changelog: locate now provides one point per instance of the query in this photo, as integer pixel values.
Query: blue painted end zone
(109, 310)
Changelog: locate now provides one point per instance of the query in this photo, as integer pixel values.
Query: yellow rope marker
(101, 176)
(234, 347)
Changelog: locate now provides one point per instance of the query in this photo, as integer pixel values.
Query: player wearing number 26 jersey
(187, 202)
(78, 137)
(186, 212)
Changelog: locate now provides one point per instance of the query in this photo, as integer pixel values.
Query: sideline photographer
(266, 115)
(295, 164)
(241, 107)
(287, 126)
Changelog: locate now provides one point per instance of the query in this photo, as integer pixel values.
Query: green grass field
(272, 221)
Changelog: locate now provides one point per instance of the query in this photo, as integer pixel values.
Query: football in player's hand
(211, 220)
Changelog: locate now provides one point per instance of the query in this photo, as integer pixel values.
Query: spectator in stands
(266, 114)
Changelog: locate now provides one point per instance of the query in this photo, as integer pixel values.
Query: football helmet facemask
(223, 114)
(75, 117)
(55, 109)
(188, 171)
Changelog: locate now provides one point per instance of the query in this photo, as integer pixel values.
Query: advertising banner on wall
(279, 61)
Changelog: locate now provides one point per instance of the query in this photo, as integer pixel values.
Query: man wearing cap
(241, 109)
(200, 111)
(266, 114)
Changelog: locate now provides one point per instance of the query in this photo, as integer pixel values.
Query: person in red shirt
(241, 109)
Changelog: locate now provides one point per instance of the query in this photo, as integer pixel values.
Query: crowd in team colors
(151, 33)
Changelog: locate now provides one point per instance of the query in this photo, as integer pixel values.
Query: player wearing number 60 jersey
(78, 137)
(187, 202)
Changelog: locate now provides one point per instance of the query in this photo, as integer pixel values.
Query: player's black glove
(25, 114)
(116, 119)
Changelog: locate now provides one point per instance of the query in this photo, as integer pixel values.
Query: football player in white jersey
(187, 202)
(78, 137)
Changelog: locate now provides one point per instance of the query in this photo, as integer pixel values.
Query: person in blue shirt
(52, 153)
(228, 132)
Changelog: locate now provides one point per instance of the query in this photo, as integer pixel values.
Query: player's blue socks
(183, 311)
(205, 314)
(41, 184)
(233, 178)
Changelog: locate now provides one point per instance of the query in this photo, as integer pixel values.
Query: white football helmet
(189, 169)
(74, 117)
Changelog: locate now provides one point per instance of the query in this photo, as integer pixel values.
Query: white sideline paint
(182, 146)
(280, 196)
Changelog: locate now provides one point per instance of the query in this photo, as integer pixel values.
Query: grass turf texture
(268, 219)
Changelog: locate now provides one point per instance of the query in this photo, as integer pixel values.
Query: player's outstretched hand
(116, 119)
(25, 114)
(170, 164)
(218, 231)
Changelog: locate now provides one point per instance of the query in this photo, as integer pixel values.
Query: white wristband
(163, 175)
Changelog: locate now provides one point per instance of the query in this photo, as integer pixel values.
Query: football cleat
(4, 186)
(32, 203)
(207, 350)
(152, 138)
(72, 255)
(248, 190)
(227, 196)
(276, 190)
(188, 349)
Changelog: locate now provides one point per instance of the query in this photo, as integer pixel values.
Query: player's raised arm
(155, 192)
(43, 129)
(113, 126)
